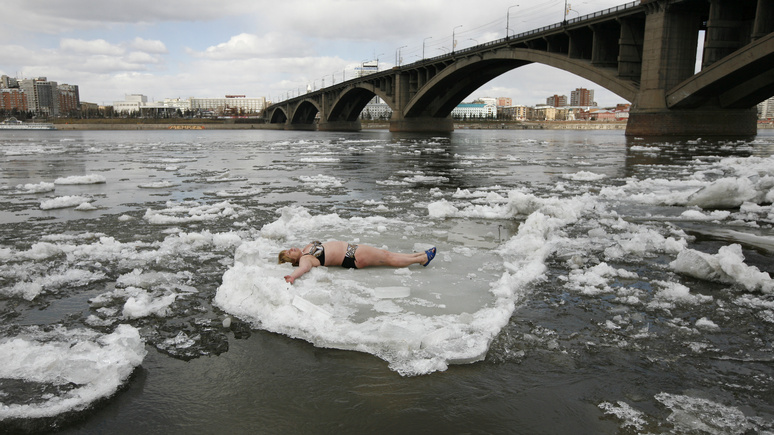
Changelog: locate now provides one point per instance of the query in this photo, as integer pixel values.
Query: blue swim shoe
(430, 255)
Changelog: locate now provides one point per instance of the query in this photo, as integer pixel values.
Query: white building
(766, 109)
(475, 111)
(131, 103)
(176, 103)
(376, 109)
(230, 103)
(234, 104)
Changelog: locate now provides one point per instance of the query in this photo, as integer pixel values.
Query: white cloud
(86, 13)
(93, 47)
(246, 46)
(148, 46)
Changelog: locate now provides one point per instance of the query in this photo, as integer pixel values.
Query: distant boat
(15, 124)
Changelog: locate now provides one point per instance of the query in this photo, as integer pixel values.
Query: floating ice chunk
(157, 185)
(727, 266)
(674, 292)
(387, 306)
(176, 213)
(697, 415)
(81, 179)
(153, 279)
(441, 209)
(86, 206)
(224, 178)
(71, 277)
(319, 160)
(584, 176)
(724, 193)
(596, 279)
(294, 220)
(63, 202)
(696, 215)
(392, 292)
(235, 193)
(706, 324)
(419, 179)
(27, 290)
(630, 417)
(144, 305)
(95, 365)
(336, 310)
(41, 187)
(322, 181)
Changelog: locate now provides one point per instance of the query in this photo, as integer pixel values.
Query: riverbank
(366, 125)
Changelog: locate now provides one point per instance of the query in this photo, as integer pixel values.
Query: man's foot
(430, 255)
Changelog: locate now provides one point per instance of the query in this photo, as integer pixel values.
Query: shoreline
(366, 125)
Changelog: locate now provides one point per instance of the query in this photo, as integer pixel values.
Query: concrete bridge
(643, 51)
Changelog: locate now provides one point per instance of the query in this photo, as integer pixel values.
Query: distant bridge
(643, 51)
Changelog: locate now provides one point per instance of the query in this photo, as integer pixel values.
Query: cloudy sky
(259, 48)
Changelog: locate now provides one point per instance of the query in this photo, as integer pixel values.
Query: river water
(584, 283)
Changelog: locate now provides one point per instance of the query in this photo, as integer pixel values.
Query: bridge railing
(542, 29)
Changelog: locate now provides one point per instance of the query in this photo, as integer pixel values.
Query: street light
(423, 46)
(508, 21)
(397, 55)
(454, 42)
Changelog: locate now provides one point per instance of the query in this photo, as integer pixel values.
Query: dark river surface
(584, 283)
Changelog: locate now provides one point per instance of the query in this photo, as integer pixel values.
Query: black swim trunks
(349, 257)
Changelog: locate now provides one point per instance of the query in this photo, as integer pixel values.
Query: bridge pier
(339, 126)
(422, 125)
(303, 127)
(694, 122)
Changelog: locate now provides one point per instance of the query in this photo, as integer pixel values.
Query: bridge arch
(305, 112)
(351, 102)
(278, 116)
(446, 90)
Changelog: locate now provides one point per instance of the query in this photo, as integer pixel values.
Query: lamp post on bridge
(454, 42)
(508, 21)
(423, 46)
(397, 55)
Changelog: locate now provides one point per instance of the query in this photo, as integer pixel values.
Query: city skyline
(195, 48)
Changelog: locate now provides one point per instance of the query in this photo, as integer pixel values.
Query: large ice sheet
(418, 319)
(72, 368)
(414, 318)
